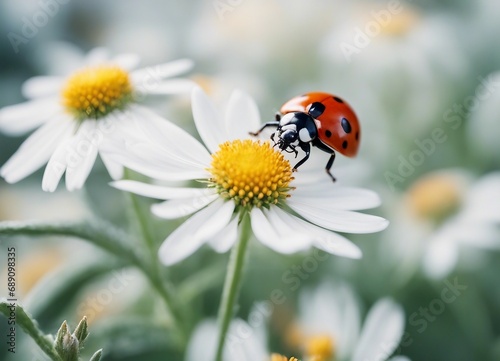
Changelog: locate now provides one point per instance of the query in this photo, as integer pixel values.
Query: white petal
(154, 74)
(338, 197)
(21, 118)
(158, 191)
(97, 56)
(276, 234)
(338, 220)
(83, 153)
(115, 169)
(332, 309)
(56, 166)
(245, 342)
(36, 150)
(481, 203)
(159, 172)
(40, 86)
(321, 238)
(180, 144)
(173, 86)
(226, 238)
(177, 208)
(382, 332)
(203, 342)
(127, 61)
(480, 235)
(440, 257)
(186, 239)
(399, 358)
(209, 122)
(242, 115)
(155, 147)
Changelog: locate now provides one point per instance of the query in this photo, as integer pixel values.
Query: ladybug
(320, 119)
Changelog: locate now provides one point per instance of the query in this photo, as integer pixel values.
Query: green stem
(31, 328)
(232, 284)
(154, 270)
(142, 222)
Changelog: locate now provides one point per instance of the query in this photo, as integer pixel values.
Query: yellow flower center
(97, 91)
(251, 173)
(435, 197)
(278, 357)
(320, 348)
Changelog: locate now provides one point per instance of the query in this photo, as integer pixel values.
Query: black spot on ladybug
(357, 135)
(316, 109)
(338, 100)
(344, 144)
(328, 134)
(346, 125)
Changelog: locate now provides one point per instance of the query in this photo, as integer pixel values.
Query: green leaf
(30, 327)
(96, 356)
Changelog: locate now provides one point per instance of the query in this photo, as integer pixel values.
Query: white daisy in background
(329, 326)
(399, 56)
(77, 114)
(441, 213)
(243, 342)
(239, 175)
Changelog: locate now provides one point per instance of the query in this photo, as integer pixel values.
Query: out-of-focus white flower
(329, 326)
(441, 213)
(240, 175)
(397, 56)
(77, 114)
(243, 342)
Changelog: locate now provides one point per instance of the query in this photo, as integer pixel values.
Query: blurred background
(424, 79)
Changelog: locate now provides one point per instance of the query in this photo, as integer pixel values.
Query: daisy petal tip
(384, 224)
(154, 209)
(353, 252)
(187, 63)
(197, 93)
(165, 256)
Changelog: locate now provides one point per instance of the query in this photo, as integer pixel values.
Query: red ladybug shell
(338, 126)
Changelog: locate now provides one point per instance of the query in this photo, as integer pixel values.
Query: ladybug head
(287, 138)
(290, 132)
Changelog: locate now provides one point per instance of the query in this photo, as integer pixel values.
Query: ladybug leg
(329, 166)
(306, 147)
(268, 124)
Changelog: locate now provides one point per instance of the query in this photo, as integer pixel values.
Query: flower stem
(232, 284)
(154, 270)
(141, 221)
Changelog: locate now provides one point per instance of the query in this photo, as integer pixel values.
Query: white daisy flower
(239, 175)
(244, 343)
(329, 326)
(77, 114)
(442, 213)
